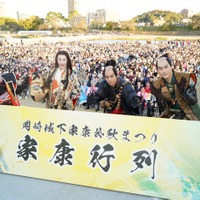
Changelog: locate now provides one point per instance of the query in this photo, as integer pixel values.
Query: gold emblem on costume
(36, 91)
(167, 96)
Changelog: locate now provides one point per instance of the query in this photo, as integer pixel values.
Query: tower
(77, 5)
(72, 6)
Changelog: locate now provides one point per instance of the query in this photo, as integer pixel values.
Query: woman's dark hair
(69, 63)
(112, 63)
(166, 55)
(69, 66)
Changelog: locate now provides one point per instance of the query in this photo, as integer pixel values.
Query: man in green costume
(175, 92)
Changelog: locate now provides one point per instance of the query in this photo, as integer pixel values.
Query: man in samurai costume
(116, 95)
(175, 92)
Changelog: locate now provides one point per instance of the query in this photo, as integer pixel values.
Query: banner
(140, 155)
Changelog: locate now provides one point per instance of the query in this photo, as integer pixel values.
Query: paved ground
(29, 102)
(23, 188)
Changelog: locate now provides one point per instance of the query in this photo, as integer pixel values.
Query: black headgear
(166, 55)
(112, 63)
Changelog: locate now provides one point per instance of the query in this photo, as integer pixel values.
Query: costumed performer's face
(110, 77)
(62, 61)
(164, 69)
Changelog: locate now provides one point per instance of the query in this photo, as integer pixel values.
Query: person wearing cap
(175, 92)
(116, 95)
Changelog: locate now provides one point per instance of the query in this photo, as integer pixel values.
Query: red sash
(117, 111)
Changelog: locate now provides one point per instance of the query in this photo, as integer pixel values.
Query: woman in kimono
(61, 89)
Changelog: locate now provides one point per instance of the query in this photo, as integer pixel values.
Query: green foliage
(9, 24)
(22, 36)
(155, 15)
(54, 15)
(168, 27)
(56, 21)
(148, 28)
(111, 25)
(31, 23)
(96, 24)
(72, 15)
(195, 22)
(5, 20)
(128, 25)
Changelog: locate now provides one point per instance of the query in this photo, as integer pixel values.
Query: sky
(126, 9)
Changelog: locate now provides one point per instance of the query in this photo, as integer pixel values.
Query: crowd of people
(136, 63)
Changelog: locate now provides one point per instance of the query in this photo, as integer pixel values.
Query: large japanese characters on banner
(141, 155)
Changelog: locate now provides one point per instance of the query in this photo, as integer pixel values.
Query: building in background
(75, 5)
(187, 13)
(21, 15)
(72, 6)
(2, 9)
(102, 16)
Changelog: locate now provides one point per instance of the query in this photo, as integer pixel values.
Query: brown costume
(181, 93)
(54, 94)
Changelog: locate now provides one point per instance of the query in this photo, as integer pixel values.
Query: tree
(128, 25)
(31, 23)
(111, 25)
(55, 20)
(151, 16)
(172, 17)
(97, 24)
(72, 15)
(81, 25)
(9, 24)
(195, 22)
